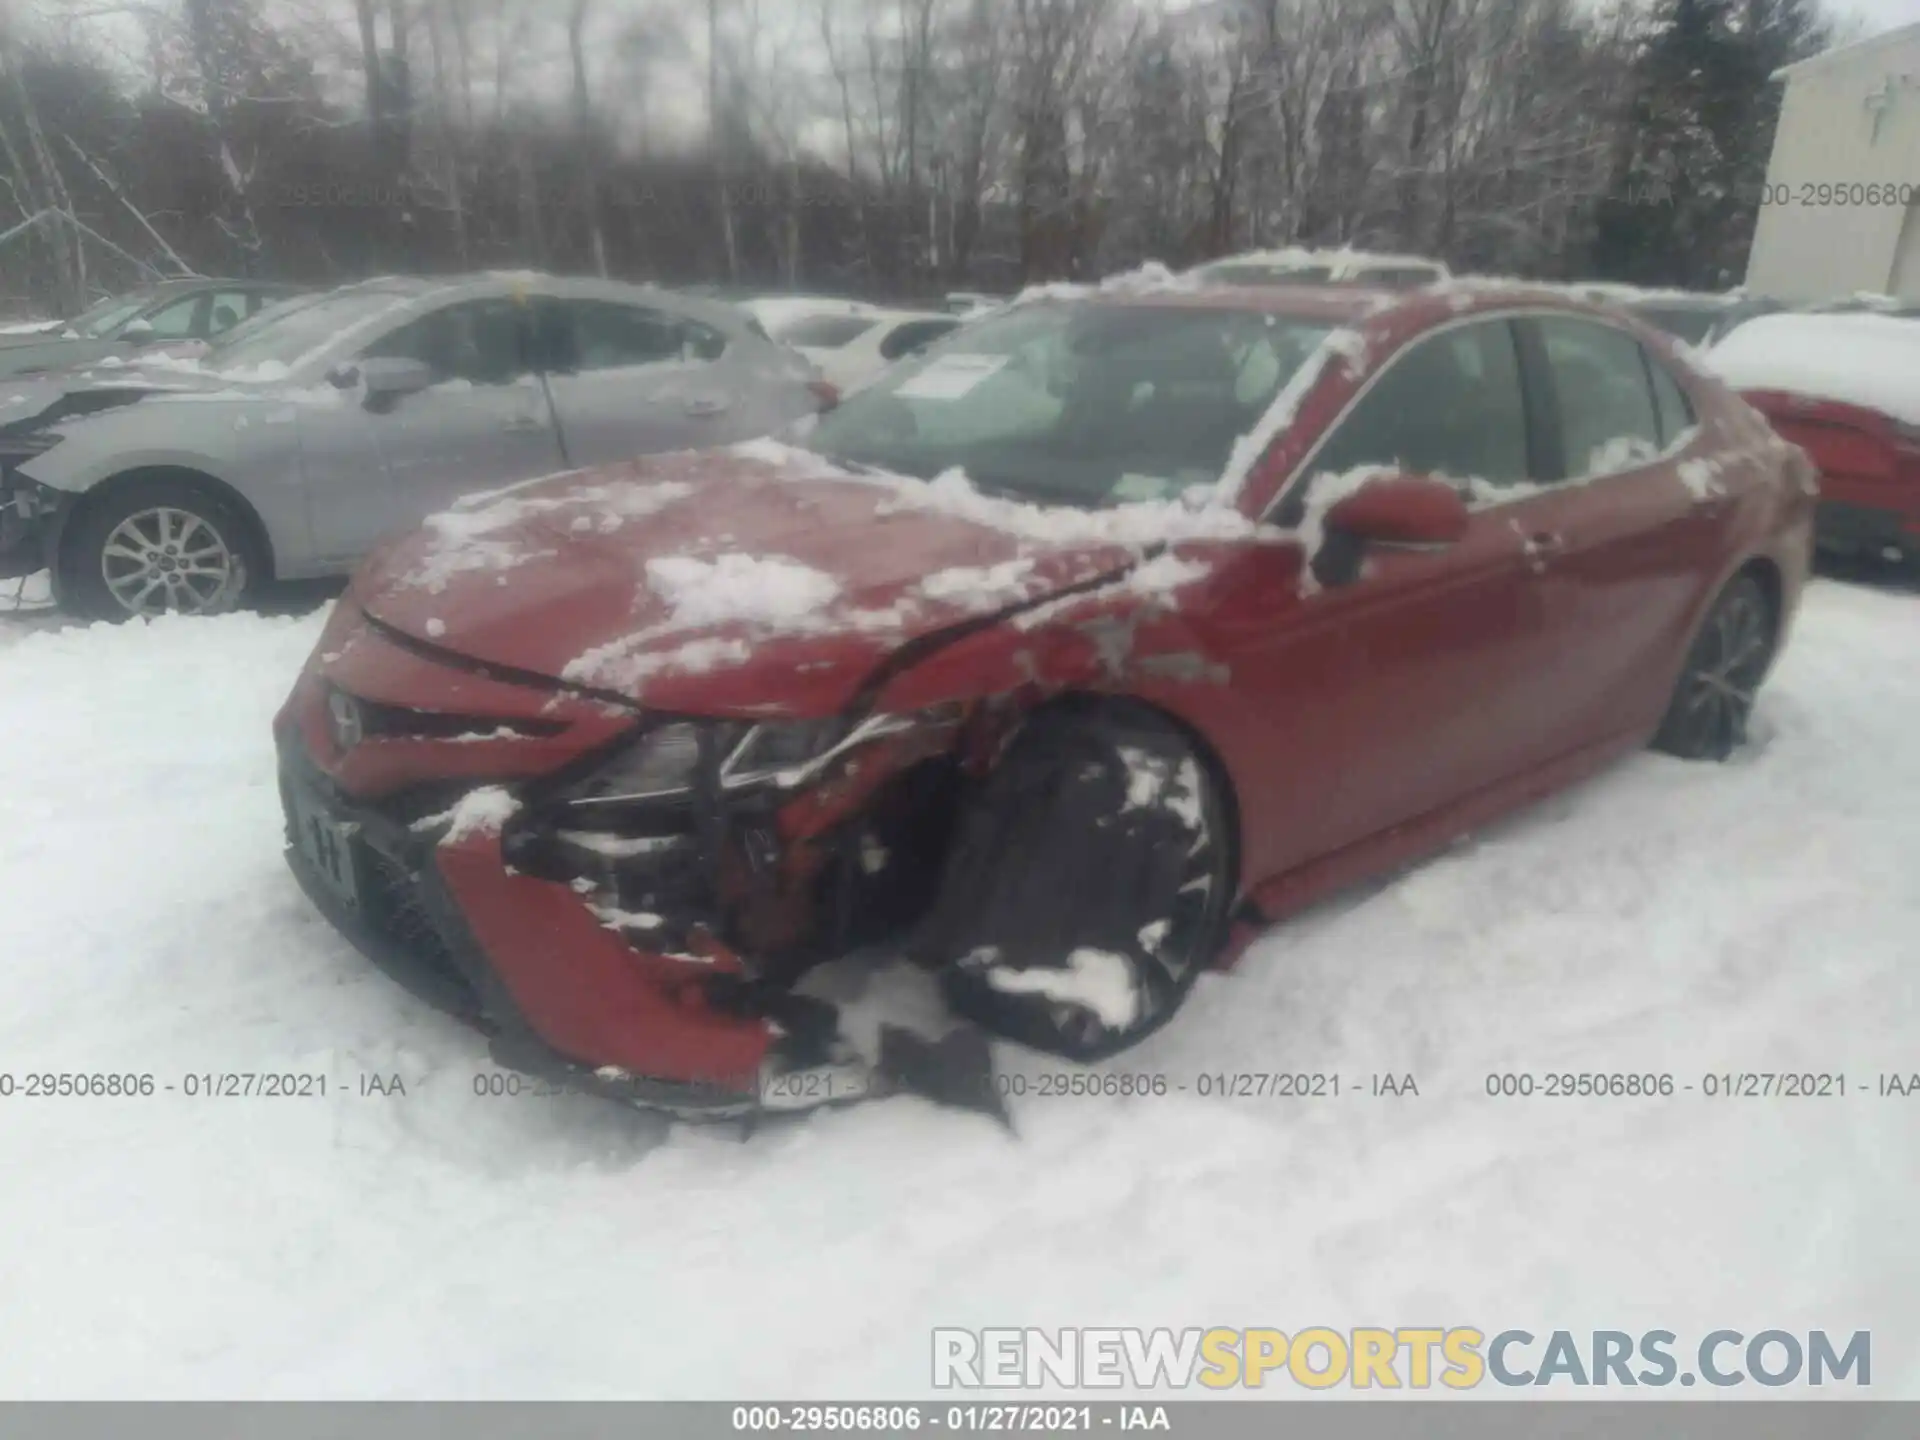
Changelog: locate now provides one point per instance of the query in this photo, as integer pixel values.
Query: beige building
(1841, 213)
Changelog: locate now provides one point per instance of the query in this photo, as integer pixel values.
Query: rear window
(824, 332)
(1686, 322)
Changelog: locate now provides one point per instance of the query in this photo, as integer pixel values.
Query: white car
(1294, 266)
(969, 303)
(775, 312)
(850, 349)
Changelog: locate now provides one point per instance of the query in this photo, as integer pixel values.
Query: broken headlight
(662, 763)
(665, 762)
(769, 751)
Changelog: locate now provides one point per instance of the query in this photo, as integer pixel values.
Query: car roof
(1350, 259)
(1383, 311)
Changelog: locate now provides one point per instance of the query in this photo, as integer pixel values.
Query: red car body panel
(1356, 726)
(1869, 467)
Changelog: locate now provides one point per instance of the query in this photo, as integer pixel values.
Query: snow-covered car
(776, 312)
(1295, 266)
(969, 304)
(1051, 678)
(1845, 387)
(164, 317)
(295, 442)
(849, 350)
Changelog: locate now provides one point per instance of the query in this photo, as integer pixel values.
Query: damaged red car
(1110, 628)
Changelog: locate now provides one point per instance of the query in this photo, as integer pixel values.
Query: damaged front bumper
(456, 927)
(651, 968)
(31, 519)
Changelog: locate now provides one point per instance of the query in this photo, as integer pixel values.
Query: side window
(1676, 412)
(608, 336)
(478, 340)
(1607, 416)
(1451, 405)
(913, 336)
(229, 309)
(1404, 277)
(176, 321)
(701, 342)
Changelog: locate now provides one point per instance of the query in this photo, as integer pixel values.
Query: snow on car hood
(26, 398)
(752, 579)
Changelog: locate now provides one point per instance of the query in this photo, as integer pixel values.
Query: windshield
(1085, 405)
(288, 334)
(109, 315)
(1269, 274)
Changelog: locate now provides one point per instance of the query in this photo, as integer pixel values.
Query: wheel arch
(1203, 748)
(223, 493)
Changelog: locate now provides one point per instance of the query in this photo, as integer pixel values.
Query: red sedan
(1111, 627)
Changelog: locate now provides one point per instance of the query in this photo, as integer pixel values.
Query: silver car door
(635, 380)
(484, 423)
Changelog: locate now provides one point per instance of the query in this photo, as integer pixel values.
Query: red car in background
(1111, 627)
(1846, 389)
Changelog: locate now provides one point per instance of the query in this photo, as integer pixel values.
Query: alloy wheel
(168, 559)
(1723, 673)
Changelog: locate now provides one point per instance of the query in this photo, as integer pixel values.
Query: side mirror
(388, 377)
(138, 331)
(1400, 509)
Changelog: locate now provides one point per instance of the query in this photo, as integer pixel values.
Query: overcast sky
(1878, 15)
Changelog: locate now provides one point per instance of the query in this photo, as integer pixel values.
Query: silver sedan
(302, 438)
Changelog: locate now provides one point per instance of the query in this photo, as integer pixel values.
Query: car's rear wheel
(1089, 882)
(1707, 719)
(156, 547)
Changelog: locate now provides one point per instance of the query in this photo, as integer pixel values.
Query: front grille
(394, 907)
(401, 722)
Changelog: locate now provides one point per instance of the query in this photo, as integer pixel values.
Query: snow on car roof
(1301, 255)
(1860, 359)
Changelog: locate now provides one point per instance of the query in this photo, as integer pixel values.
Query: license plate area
(328, 845)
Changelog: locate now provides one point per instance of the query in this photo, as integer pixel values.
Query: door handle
(524, 425)
(708, 405)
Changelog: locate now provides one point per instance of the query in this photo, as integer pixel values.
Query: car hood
(29, 401)
(754, 580)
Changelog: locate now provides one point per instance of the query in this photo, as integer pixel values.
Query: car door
(1624, 544)
(375, 466)
(633, 379)
(1418, 668)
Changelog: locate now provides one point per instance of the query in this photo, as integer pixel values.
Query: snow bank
(1867, 360)
(1666, 918)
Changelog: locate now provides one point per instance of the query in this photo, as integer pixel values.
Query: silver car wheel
(167, 559)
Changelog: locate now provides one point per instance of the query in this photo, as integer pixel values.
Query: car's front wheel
(1707, 718)
(1089, 882)
(159, 546)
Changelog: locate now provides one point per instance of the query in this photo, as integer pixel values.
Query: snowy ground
(1758, 916)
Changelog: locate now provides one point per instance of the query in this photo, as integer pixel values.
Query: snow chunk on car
(479, 812)
(739, 589)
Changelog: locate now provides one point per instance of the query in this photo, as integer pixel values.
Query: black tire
(1707, 718)
(1103, 831)
(216, 564)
